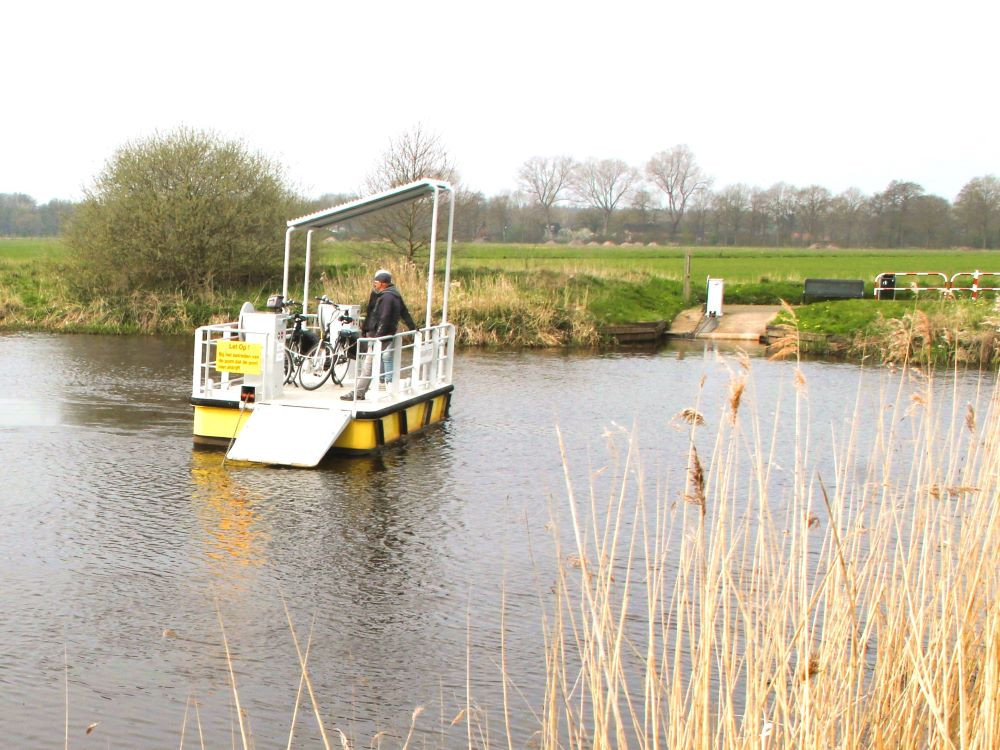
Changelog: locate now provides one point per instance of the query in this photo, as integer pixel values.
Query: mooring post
(687, 277)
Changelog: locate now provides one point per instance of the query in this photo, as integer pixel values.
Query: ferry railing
(207, 381)
(414, 360)
(210, 382)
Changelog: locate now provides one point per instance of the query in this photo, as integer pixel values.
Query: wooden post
(687, 277)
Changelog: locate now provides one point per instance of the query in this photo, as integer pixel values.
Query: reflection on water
(225, 510)
(119, 540)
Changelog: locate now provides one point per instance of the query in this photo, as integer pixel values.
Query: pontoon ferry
(239, 391)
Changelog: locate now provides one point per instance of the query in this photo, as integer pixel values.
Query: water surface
(122, 546)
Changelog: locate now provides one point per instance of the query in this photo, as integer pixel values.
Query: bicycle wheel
(341, 362)
(316, 366)
(290, 366)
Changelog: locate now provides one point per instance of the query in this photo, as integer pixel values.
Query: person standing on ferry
(385, 308)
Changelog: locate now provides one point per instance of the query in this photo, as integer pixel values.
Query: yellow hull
(366, 433)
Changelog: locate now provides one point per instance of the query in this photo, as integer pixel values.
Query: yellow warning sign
(238, 356)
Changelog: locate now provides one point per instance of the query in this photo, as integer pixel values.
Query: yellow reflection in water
(225, 510)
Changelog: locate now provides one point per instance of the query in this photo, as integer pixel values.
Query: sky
(839, 94)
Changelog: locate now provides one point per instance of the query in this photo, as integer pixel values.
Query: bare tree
(677, 174)
(812, 208)
(731, 204)
(978, 210)
(545, 180)
(414, 155)
(603, 185)
(848, 211)
(780, 205)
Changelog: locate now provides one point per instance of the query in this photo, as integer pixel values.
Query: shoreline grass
(546, 297)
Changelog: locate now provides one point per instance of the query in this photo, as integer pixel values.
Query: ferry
(239, 392)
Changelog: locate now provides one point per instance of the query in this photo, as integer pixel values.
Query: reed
(759, 608)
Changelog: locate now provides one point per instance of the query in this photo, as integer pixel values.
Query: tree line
(669, 199)
(22, 216)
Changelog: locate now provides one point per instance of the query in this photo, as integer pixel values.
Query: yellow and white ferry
(239, 391)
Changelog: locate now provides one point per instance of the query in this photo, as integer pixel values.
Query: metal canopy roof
(404, 194)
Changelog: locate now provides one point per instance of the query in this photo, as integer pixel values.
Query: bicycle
(300, 339)
(328, 359)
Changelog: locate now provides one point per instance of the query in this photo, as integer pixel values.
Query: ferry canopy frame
(331, 217)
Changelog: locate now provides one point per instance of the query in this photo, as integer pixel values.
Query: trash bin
(886, 286)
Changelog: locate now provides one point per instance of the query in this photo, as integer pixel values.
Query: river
(122, 547)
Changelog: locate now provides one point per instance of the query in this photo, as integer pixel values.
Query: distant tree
(500, 212)
(731, 207)
(779, 201)
(414, 155)
(19, 215)
(930, 221)
(183, 209)
(603, 185)
(812, 206)
(759, 219)
(978, 210)
(470, 215)
(643, 204)
(676, 173)
(697, 214)
(892, 209)
(546, 180)
(848, 212)
(55, 215)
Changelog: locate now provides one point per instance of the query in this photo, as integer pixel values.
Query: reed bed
(856, 608)
(488, 308)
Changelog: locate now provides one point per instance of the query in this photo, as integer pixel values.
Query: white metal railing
(407, 362)
(207, 381)
(886, 284)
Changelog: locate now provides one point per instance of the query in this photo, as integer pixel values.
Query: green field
(34, 248)
(737, 264)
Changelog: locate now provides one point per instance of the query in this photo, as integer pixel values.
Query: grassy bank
(929, 330)
(537, 296)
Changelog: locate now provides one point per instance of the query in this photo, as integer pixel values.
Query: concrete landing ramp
(737, 323)
(288, 435)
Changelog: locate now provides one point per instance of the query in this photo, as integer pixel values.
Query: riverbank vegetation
(529, 296)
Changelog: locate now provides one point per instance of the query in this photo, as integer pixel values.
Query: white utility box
(267, 330)
(713, 307)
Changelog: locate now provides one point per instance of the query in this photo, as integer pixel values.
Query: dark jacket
(384, 311)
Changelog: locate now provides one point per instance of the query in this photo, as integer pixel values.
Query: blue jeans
(386, 376)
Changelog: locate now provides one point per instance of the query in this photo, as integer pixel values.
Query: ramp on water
(288, 434)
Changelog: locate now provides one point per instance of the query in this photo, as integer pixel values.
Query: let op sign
(238, 356)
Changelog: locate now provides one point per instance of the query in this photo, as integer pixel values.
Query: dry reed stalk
(305, 676)
(298, 692)
(232, 678)
(764, 628)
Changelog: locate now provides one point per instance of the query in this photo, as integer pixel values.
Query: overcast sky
(841, 94)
